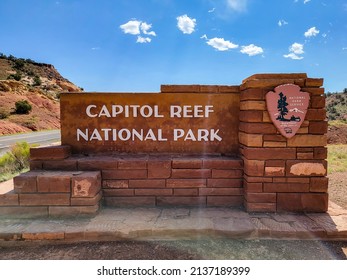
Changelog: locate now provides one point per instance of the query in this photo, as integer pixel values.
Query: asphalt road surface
(40, 138)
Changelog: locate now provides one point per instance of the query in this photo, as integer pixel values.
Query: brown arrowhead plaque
(287, 107)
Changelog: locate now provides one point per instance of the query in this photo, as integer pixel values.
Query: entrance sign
(150, 122)
(287, 107)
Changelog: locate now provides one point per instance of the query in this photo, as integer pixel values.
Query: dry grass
(337, 158)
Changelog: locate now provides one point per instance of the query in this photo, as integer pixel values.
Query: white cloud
(145, 27)
(282, 22)
(142, 40)
(313, 31)
(136, 27)
(212, 10)
(293, 56)
(186, 24)
(295, 49)
(131, 27)
(344, 48)
(204, 37)
(238, 5)
(306, 1)
(251, 50)
(221, 44)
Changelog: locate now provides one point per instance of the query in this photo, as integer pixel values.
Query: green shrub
(37, 81)
(14, 161)
(23, 107)
(3, 114)
(17, 76)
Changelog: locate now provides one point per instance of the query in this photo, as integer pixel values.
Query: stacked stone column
(283, 174)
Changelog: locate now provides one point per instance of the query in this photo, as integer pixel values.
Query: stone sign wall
(188, 122)
(188, 145)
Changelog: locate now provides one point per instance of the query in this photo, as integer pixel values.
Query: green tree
(282, 107)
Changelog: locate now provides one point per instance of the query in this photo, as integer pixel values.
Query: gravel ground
(210, 249)
(338, 188)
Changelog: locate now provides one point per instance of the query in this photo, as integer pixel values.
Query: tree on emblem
(282, 107)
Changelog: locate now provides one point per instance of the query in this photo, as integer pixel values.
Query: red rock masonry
(161, 181)
(283, 174)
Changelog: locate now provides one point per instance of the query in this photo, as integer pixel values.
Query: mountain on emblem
(287, 107)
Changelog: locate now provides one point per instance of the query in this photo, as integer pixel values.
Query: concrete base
(177, 223)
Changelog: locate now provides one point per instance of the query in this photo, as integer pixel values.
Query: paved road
(41, 137)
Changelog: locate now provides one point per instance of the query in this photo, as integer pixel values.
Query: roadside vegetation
(14, 161)
(337, 158)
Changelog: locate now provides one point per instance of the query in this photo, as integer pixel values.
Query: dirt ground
(213, 249)
(210, 249)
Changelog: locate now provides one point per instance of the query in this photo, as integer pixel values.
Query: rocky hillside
(336, 104)
(40, 85)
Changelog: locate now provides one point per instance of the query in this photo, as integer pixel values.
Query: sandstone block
(260, 207)
(227, 89)
(261, 197)
(227, 173)
(317, 102)
(269, 153)
(285, 187)
(159, 168)
(224, 183)
(186, 163)
(220, 191)
(118, 192)
(9, 199)
(124, 174)
(254, 167)
(266, 83)
(225, 163)
(319, 184)
(180, 88)
(306, 168)
(97, 163)
(251, 116)
(251, 140)
(86, 184)
(318, 127)
(191, 173)
(320, 153)
(253, 187)
(313, 91)
(155, 192)
(44, 199)
(73, 210)
(185, 183)
(65, 164)
(35, 165)
(181, 201)
(186, 192)
(132, 201)
(275, 138)
(252, 105)
(314, 82)
(252, 94)
(54, 182)
(307, 141)
(302, 202)
(132, 164)
(268, 144)
(51, 152)
(274, 171)
(305, 155)
(86, 201)
(115, 184)
(150, 184)
(316, 114)
(25, 182)
(256, 128)
(209, 89)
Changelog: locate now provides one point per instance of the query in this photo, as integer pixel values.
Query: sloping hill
(40, 85)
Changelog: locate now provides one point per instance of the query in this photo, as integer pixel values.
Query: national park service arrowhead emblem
(287, 107)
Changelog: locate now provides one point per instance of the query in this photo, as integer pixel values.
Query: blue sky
(137, 45)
